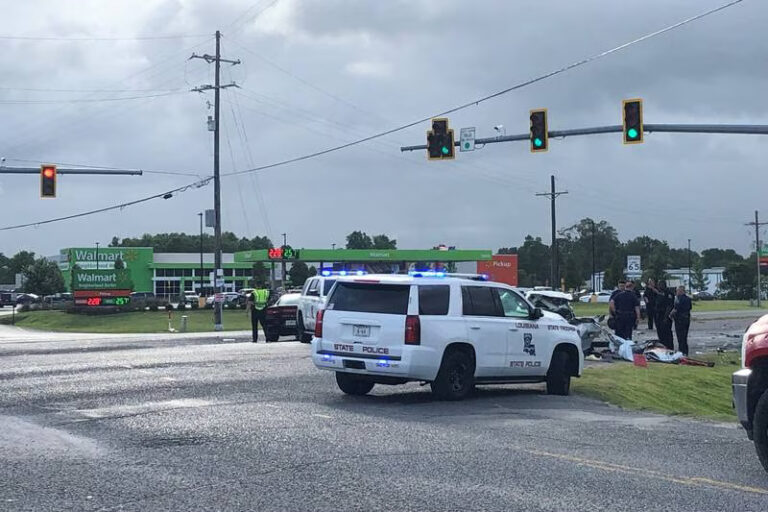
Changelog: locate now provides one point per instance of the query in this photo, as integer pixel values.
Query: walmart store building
(165, 274)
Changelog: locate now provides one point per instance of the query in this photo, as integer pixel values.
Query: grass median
(591, 309)
(200, 320)
(665, 388)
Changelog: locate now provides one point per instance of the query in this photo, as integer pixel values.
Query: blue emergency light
(327, 273)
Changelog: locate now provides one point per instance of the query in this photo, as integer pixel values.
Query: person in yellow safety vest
(258, 300)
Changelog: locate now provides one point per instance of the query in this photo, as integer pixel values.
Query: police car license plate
(362, 331)
(290, 323)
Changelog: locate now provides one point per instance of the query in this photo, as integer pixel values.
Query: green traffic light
(632, 133)
(538, 142)
(445, 150)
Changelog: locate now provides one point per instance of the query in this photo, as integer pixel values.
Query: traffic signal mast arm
(751, 129)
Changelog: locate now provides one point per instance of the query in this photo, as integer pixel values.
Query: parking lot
(200, 424)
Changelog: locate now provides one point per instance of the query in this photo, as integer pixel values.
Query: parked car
(27, 298)
(453, 333)
(58, 301)
(554, 301)
(602, 297)
(750, 387)
(281, 317)
(312, 300)
(6, 299)
(141, 301)
(702, 295)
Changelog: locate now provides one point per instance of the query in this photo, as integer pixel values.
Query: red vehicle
(750, 387)
(281, 317)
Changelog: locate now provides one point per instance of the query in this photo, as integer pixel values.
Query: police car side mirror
(536, 313)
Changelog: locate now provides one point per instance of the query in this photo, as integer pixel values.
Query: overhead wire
(507, 90)
(408, 125)
(239, 189)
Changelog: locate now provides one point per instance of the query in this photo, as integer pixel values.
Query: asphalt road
(201, 424)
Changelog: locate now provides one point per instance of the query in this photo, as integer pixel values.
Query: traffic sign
(467, 138)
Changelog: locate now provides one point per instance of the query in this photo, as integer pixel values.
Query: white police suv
(453, 332)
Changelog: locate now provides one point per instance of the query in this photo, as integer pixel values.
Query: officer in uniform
(257, 303)
(682, 317)
(626, 309)
(650, 303)
(664, 303)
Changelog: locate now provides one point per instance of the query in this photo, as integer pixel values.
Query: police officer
(682, 317)
(665, 303)
(256, 305)
(650, 302)
(626, 309)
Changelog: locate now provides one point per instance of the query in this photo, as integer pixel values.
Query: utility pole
(553, 195)
(201, 253)
(218, 275)
(690, 285)
(593, 257)
(757, 225)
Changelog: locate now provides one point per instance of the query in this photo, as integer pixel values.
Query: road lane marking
(323, 416)
(695, 481)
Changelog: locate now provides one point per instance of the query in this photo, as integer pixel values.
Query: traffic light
(633, 121)
(440, 140)
(47, 181)
(539, 131)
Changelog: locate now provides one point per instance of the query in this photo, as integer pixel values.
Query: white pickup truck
(312, 300)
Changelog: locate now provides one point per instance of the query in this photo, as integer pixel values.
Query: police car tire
(760, 429)
(558, 379)
(352, 384)
(302, 334)
(456, 378)
(272, 336)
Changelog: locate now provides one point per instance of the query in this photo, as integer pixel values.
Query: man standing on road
(664, 303)
(682, 316)
(650, 302)
(626, 309)
(256, 306)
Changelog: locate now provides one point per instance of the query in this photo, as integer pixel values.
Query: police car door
(486, 328)
(525, 335)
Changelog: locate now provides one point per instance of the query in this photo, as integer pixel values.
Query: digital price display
(107, 301)
(282, 253)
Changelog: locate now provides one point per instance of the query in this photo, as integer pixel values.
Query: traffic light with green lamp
(633, 121)
(47, 181)
(440, 143)
(539, 131)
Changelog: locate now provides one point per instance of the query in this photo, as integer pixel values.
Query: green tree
(43, 277)
(298, 273)
(20, 261)
(359, 240)
(719, 257)
(119, 264)
(384, 242)
(259, 274)
(575, 250)
(533, 261)
(312, 271)
(182, 242)
(739, 279)
(699, 281)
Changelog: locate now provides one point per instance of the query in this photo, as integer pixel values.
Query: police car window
(480, 301)
(370, 298)
(328, 285)
(433, 299)
(512, 304)
(312, 290)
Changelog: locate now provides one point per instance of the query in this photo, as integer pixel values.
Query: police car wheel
(302, 334)
(760, 429)
(272, 336)
(353, 384)
(456, 378)
(558, 378)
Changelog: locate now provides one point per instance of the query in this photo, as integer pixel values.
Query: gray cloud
(385, 58)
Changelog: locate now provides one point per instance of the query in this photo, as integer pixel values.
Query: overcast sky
(317, 73)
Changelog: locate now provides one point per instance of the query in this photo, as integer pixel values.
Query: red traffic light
(47, 181)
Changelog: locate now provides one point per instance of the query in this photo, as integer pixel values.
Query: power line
(89, 100)
(409, 125)
(493, 95)
(165, 195)
(100, 38)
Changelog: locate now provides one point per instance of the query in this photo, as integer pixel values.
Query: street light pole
(97, 255)
(285, 244)
(593, 258)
